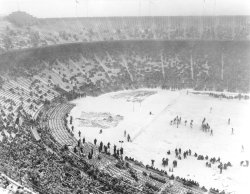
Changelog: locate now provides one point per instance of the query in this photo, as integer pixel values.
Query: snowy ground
(153, 136)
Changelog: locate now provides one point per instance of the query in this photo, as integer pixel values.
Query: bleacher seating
(36, 85)
(58, 31)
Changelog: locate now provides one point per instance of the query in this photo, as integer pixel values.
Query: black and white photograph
(124, 96)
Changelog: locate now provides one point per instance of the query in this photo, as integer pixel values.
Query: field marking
(156, 117)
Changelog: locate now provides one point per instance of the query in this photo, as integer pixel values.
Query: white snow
(4, 191)
(153, 136)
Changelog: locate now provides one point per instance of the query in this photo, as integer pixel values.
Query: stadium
(150, 104)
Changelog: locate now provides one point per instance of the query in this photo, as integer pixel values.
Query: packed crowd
(59, 160)
(19, 33)
(8, 186)
(47, 168)
(30, 88)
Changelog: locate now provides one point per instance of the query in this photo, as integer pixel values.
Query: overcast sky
(70, 8)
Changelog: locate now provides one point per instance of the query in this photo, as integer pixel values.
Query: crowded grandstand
(45, 64)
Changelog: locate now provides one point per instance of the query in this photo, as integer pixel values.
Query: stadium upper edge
(20, 30)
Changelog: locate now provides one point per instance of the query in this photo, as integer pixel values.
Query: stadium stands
(204, 53)
(36, 32)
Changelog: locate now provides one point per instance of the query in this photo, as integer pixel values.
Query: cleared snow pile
(102, 120)
(134, 96)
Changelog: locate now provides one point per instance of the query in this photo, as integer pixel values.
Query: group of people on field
(205, 126)
(179, 155)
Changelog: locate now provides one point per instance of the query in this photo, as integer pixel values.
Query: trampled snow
(152, 135)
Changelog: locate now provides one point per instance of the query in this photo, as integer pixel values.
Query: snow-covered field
(152, 135)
